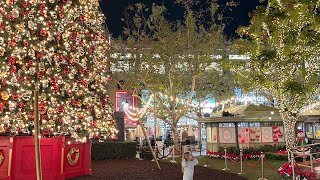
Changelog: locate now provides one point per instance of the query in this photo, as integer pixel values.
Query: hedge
(254, 150)
(113, 150)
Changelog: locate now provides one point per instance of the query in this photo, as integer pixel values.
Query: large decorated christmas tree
(61, 46)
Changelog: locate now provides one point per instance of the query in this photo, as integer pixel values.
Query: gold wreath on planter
(1, 158)
(72, 151)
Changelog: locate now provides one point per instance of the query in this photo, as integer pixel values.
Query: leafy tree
(168, 57)
(283, 43)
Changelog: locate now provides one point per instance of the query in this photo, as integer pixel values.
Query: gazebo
(311, 124)
(244, 126)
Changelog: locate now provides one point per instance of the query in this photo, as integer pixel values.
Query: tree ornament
(4, 95)
(15, 96)
(15, 13)
(60, 110)
(43, 32)
(12, 106)
(42, 108)
(26, 96)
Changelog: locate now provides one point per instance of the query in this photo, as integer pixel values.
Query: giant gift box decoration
(61, 158)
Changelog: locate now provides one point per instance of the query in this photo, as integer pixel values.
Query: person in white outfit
(188, 163)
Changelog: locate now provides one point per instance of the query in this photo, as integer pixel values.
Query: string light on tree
(62, 45)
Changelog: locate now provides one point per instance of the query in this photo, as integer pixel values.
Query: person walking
(188, 163)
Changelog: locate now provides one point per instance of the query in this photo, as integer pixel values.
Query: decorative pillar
(119, 116)
(200, 136)
(236, 131)
(10, 157)
(62, 153)
(218, 137)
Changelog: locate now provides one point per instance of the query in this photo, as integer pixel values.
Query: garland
(72, 151)
(1, 158)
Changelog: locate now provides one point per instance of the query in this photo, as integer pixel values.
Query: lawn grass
(251, 173)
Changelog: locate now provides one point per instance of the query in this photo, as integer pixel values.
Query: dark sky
(238, 16)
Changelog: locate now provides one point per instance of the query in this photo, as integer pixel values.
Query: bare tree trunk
(289, 122)
(175, 136)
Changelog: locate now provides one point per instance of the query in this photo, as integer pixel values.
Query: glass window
(309, 130)
(226, 125)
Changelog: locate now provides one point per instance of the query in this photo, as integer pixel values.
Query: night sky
(237, 16)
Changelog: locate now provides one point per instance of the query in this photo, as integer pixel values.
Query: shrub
(281, 157)
(113, 150)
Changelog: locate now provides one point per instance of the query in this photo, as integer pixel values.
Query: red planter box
(61, 158)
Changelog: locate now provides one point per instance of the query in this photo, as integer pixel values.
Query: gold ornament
(2, 51)
(5, 95)
(20, 27)
(41, 66)
(1, 158)
(73, 151)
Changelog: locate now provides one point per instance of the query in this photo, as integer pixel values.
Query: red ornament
(73, 36)
(80, 116)
(66, 70)
(12, 60)
(84, 83)
(53, 80)
(79, 81)
(60, 110)
(11, 17)
(49, 24)
(12, 43)
(27, 80)
(102, 36)
(26, 13)
(21, 105)
(74, 102)
(2, 105)
(13, 70)
(3, 11)
(30, 62)
(43, 32)
(15, 96)
(1, 26)
(20, 78)
(40, 55)
(87, 70)
(55, 88)
(43, 117)
(91, 49)
(61, 121)
(25, 43)
(4, 81)
(82, 18)
(31, 115)
(58, 38)
(42, 108)
(43, 7)
(40, 75)
(26, 4)
(80, 70)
